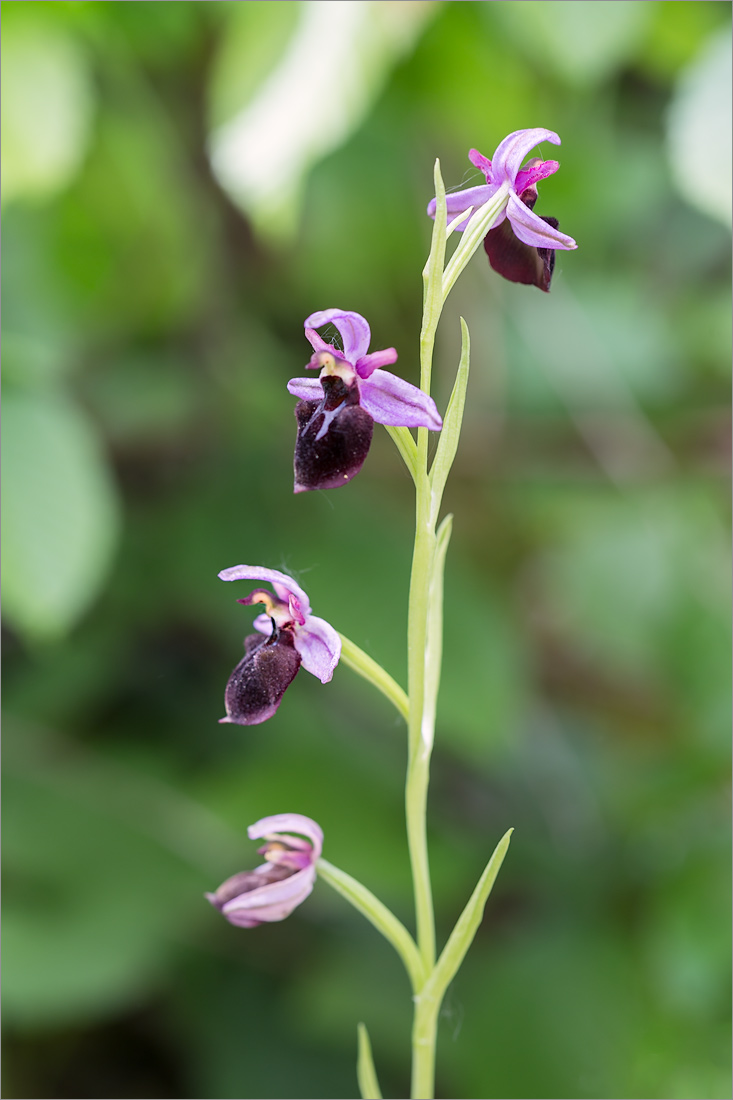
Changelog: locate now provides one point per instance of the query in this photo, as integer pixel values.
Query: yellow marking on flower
(333, 367)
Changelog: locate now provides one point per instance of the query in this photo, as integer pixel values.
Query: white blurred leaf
(46, 110)
(699, 130)
(330, 73)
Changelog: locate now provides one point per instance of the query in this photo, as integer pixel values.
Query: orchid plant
(335, 417)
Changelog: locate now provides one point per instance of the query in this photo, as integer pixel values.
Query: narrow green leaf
(364, 665)
(434, 646)
(451, 433)
(432, 290)
(433, 271)
(472, 237)
(366, 1074)
(378, 914)
(467, 925)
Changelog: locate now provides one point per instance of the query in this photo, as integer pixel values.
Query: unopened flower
(337, 410)
(289, 636)
(282, 882)
(520, 245)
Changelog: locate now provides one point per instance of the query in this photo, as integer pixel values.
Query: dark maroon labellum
(247, 881)
(259, 681)
(517, 261)
(339, 453)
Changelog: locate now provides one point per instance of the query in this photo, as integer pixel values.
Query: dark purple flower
(520, 245)
(282, 882)
(289, 636)
(337, 410)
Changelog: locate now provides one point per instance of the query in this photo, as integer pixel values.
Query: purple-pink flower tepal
(289, 636)
(337, 410)
(283, 881)
(521, 245)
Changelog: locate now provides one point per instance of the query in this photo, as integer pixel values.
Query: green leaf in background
(626, 570)
(60, 513)
(582, 43)
(699, 129)
(104, 870)
(46, 109)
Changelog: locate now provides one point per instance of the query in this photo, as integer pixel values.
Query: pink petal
(304, 847)
(463, 200)
(367, 365)
(354, 329)
(513, 149)
(272, 902)
(284, 823)
(390, 400)
(529, 176)
(482, 162)
(263, 623)
(307, 389)
(316, 342)
(533, 230)
(319, 647)
(281, 582)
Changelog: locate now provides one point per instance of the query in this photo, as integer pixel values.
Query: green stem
(377, 913)
(424, 1034)
(419, 739)
(418, 767)
(361, 663)
(424, 622)
(430, 997)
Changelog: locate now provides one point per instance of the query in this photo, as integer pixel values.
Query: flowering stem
(418, 766)
(424, 625)
(424, 1034)
(361, 663)
(424, 629)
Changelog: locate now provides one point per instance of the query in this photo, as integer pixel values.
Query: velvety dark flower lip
(289, 636)
(336, 411)
(271, 891)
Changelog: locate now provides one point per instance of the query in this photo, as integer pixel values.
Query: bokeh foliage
(150, 327)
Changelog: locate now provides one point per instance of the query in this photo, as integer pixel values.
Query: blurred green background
(153, 314)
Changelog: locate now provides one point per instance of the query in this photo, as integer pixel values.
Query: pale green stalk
(426, 592)
(422, 718)
(380, 916)
(418, 765)
(366, 666)
(424, 650)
